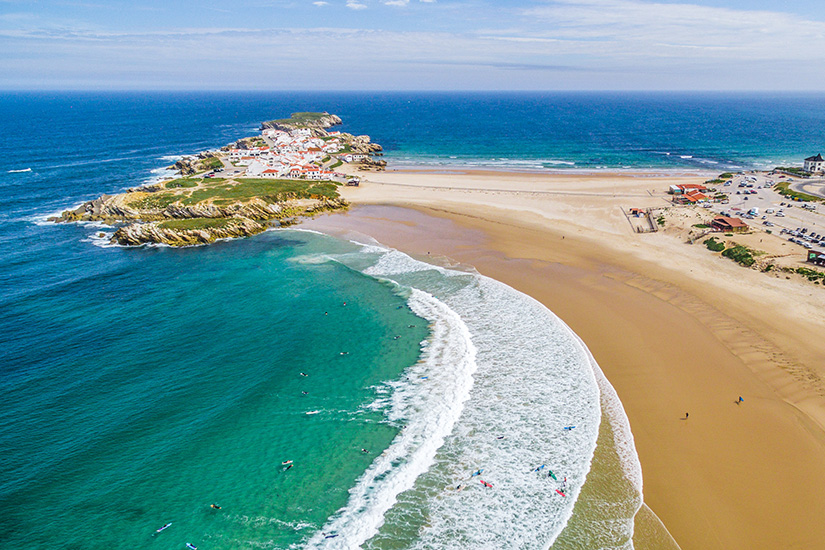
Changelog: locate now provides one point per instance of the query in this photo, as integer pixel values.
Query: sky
(749, 45)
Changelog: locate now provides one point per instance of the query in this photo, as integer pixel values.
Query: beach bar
(728, 225)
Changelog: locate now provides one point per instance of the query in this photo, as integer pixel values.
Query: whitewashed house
(814, 164)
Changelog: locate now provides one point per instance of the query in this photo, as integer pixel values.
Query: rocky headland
(200, 212)
(201, 207)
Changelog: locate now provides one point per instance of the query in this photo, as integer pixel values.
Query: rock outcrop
(147, 225)
(155, 233)
(318, 121)
(196, 164)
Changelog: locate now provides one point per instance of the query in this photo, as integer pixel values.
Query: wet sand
(674, 328)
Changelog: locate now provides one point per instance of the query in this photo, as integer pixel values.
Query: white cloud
(633, 27)
(396, 2)
(565, 44)
(321, 3)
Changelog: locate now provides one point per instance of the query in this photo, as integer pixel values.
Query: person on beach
(686, 415)
(740, 400)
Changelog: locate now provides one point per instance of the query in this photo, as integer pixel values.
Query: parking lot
(788, 219)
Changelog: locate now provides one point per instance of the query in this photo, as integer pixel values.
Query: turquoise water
(167, 380)
(142, 385)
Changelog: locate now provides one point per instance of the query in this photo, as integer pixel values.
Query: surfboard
(164, 527)
(191, 546)
(551, 474)
(559, 492)
(477, 473)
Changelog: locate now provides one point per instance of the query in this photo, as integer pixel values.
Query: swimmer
(304, 393)
(304, 374)
(215, 506)
(364, 451)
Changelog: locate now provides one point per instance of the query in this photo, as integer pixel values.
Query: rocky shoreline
(200, 210)
(181, 225)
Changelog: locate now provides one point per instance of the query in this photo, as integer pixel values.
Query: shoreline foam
(636, 303)
(474, 514)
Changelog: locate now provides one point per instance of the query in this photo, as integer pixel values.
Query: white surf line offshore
(446, 368)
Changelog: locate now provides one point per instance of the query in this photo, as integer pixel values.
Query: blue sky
(413, 44)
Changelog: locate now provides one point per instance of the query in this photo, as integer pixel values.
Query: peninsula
(272, 179)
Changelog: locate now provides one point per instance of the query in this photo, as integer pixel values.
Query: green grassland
(298, 119)
(783, 189)
(223, 192)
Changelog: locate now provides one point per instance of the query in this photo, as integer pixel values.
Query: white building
(814, 164)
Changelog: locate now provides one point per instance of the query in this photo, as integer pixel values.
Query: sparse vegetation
(714, 245)
(196, 223)
(725, 176)
(210, 163)
(271, 190)
(155, 201)
(181, 182)
(299, 119)
(740, 254)
(791, 170)
(783, 189)
(661, 220)
(811, 274)
(701, 226)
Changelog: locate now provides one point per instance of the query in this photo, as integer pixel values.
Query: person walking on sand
(686, 415)
(740, 400)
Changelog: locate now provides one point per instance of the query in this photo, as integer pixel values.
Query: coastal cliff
(189, 211)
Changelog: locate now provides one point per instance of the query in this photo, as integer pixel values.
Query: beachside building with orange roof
(728, 225)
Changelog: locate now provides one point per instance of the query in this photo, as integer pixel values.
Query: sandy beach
(675, 328)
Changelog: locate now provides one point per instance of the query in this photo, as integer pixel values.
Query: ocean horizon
(321, 393)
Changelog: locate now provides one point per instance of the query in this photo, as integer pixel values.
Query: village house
(687, 188)
(814, 164)
(728, 225)
(690, 196)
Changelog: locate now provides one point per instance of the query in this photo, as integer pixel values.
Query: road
(810, 187)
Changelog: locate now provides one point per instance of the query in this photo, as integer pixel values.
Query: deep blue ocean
(140, 386)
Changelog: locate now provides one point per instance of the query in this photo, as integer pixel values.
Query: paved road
(811, 187)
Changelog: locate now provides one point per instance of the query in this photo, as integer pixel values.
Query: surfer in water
(364, 451)
(304, 374)
(215, 506)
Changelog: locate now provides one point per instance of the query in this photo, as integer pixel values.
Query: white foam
(534, 376)
(430, 409)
